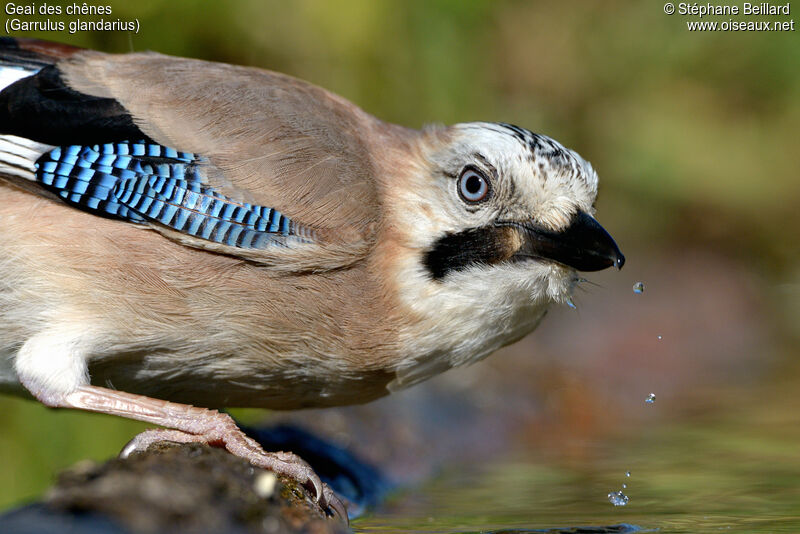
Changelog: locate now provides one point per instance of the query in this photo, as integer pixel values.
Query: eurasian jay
(175, 232)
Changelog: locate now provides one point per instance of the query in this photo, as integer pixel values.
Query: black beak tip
(619, 261)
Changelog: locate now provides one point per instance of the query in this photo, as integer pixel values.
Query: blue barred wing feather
(146, 183)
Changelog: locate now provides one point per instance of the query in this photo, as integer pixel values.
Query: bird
(179, 236)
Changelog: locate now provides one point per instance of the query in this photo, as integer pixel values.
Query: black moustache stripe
(487, 245)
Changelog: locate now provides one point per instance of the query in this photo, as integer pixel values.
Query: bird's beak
(583, 245)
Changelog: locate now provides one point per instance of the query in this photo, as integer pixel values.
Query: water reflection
(613, 529)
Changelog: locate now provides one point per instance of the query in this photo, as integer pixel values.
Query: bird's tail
(20, 58)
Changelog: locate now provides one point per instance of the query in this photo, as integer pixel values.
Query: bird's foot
(231, 438)
(190, 424)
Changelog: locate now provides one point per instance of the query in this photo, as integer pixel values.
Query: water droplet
(627, 473)
(638, 287)
(651, 398)
(624, 486)
(571, 304)
(617, 498)
(659, 338)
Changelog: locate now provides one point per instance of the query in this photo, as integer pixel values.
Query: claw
(317, 483)
(335, 504)
(324, 496)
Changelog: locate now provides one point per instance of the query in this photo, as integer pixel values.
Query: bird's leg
(186, 424)
(52, 366)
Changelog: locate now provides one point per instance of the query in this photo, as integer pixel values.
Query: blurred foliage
(694, 135)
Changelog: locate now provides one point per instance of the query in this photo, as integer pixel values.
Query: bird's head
(496, 196)
(506, 195)
(495, 223)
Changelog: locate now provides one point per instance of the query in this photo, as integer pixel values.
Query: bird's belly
(238, 383)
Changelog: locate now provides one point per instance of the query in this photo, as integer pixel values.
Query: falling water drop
(627, 473)
(571, 304)
(659, 338)
(638, 287)
(651, 398)
(617, 498)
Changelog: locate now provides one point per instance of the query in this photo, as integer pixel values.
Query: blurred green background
(695, 136)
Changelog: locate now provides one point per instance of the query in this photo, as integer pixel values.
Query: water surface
(735, 469)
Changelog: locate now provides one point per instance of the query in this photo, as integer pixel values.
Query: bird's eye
(472, 185)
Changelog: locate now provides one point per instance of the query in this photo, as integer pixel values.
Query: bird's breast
(465, 319)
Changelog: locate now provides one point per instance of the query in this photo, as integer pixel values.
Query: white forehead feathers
(547, 153)
(543, 178)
